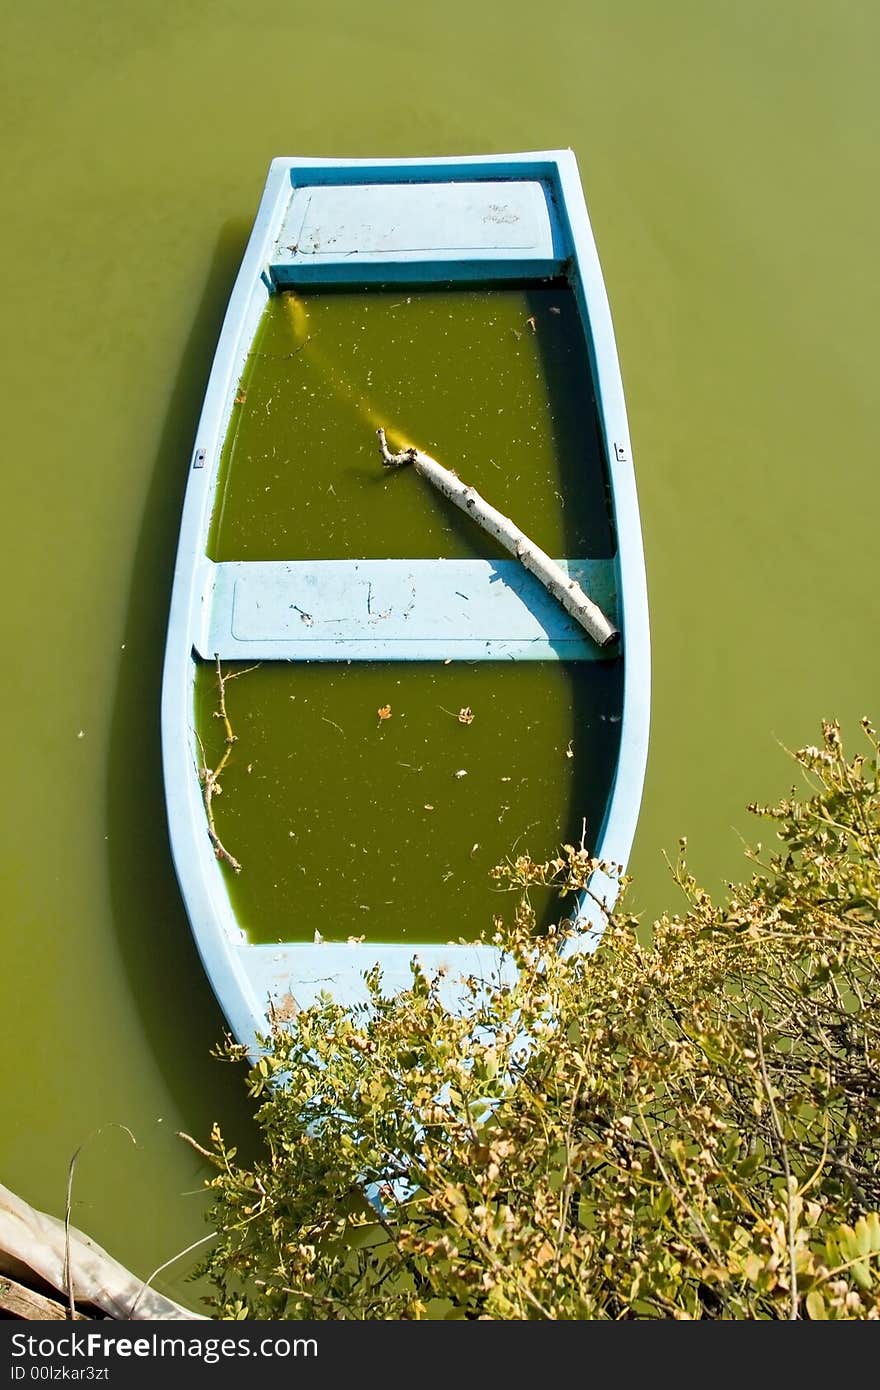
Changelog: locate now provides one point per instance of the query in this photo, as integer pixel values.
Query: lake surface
(729, 159)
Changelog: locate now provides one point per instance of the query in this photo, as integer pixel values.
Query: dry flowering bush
(686, 1129)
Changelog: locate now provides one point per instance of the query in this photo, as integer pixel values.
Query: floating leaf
(384, 712)
(466, 715)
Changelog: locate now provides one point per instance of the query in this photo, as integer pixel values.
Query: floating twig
(67, 1267)
(208, 776)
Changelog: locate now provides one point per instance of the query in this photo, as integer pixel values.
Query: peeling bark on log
(565, 590)
(32, 1240)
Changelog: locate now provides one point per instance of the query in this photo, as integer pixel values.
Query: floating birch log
(30, 1240)
(565, 590)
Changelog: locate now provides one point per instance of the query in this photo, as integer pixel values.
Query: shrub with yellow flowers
(685, 1128)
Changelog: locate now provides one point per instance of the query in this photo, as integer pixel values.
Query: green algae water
(495, 383)
(729, 159)
(354, 824)
(374, 799)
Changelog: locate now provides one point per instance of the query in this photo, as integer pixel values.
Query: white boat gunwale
(245, 976)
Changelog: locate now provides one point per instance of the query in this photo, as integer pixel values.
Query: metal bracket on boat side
(395, 610)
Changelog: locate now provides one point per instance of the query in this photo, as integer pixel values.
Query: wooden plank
(17, 1301)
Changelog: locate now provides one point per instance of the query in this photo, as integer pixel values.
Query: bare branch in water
(209, 777)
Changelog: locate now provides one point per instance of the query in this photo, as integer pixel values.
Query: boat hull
(470, 221)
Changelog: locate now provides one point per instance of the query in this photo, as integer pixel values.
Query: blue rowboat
(324, 224)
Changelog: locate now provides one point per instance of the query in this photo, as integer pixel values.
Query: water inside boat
(346, 820)
(493, 383)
